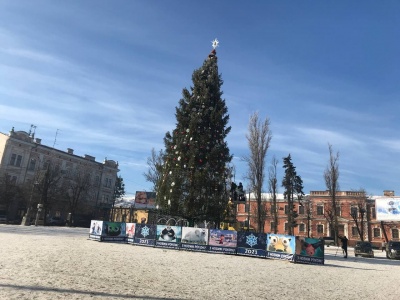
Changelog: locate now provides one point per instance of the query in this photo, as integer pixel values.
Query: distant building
(22, 155)
(312, 216)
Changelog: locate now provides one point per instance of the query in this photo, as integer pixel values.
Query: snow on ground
(62, 263)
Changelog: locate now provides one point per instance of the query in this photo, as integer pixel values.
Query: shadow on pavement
(78, 292)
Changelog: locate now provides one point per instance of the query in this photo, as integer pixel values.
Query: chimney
(70, 151)
(38, 141)
(89, 157)
(388, 193)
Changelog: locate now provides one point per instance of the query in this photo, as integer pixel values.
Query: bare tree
(155, 163)
(78, 188)
(331, 176)
(273, 189)
(358, 211)
(258, 138)
(48, 179)
(329, 214)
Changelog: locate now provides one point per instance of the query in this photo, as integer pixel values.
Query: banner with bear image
(168, 236)
(113, 232)
(309, 251)
(281, 246)
(194, 239)
(96, 227)
(251, 244)
(145, 235)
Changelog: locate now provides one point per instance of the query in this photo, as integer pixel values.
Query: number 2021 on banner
(251, 252)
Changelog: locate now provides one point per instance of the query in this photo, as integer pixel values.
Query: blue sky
(108, 75)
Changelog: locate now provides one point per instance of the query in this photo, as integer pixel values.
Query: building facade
(356, 216)
(23, 157)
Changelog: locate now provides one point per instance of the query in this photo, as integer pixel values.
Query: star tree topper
(215, 43)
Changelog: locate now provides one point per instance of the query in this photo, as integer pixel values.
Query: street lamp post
(157, 214)
(39, 210)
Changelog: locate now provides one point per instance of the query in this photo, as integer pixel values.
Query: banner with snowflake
(251, 244)
(222, 241)
(194, 239)
(144, 235)
(96, 227)
(281, 246)
(168, 236)
(309, 251)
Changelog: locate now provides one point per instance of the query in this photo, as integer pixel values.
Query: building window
(272, 226)
(246, 208)
(302, 227)
(354, 231)
(320, 228)
(19, 160)
(32, 164)
(320, 210)
(96, 181)
(395, 233)
(12, 179)
(377, 232)
(373, 212)
(354, 211)
(107, 182)
(15, 160)
(286, 209)
(286, 226)
(338, 211)
(301, 210)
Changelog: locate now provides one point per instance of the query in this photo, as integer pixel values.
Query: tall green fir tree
(293, 185)
(195, 172)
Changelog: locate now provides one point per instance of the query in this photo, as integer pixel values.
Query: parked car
(393, 250)
(329, 241)
(364, 249)
(56, 221)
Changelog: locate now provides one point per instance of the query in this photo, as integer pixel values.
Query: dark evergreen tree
(293, 185)
(195, 173)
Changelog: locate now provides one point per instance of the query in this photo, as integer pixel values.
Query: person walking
(344, 241)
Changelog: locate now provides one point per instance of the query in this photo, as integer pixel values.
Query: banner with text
(168, 236)
(130, 233)
(281, 246)
(194, 239)
(222, 241)
(309, 251)
(251, 244)
(387, 209)
(113, 232)
(96, 227)
(145, 235)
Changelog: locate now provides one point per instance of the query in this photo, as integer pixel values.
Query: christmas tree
(195, 173)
